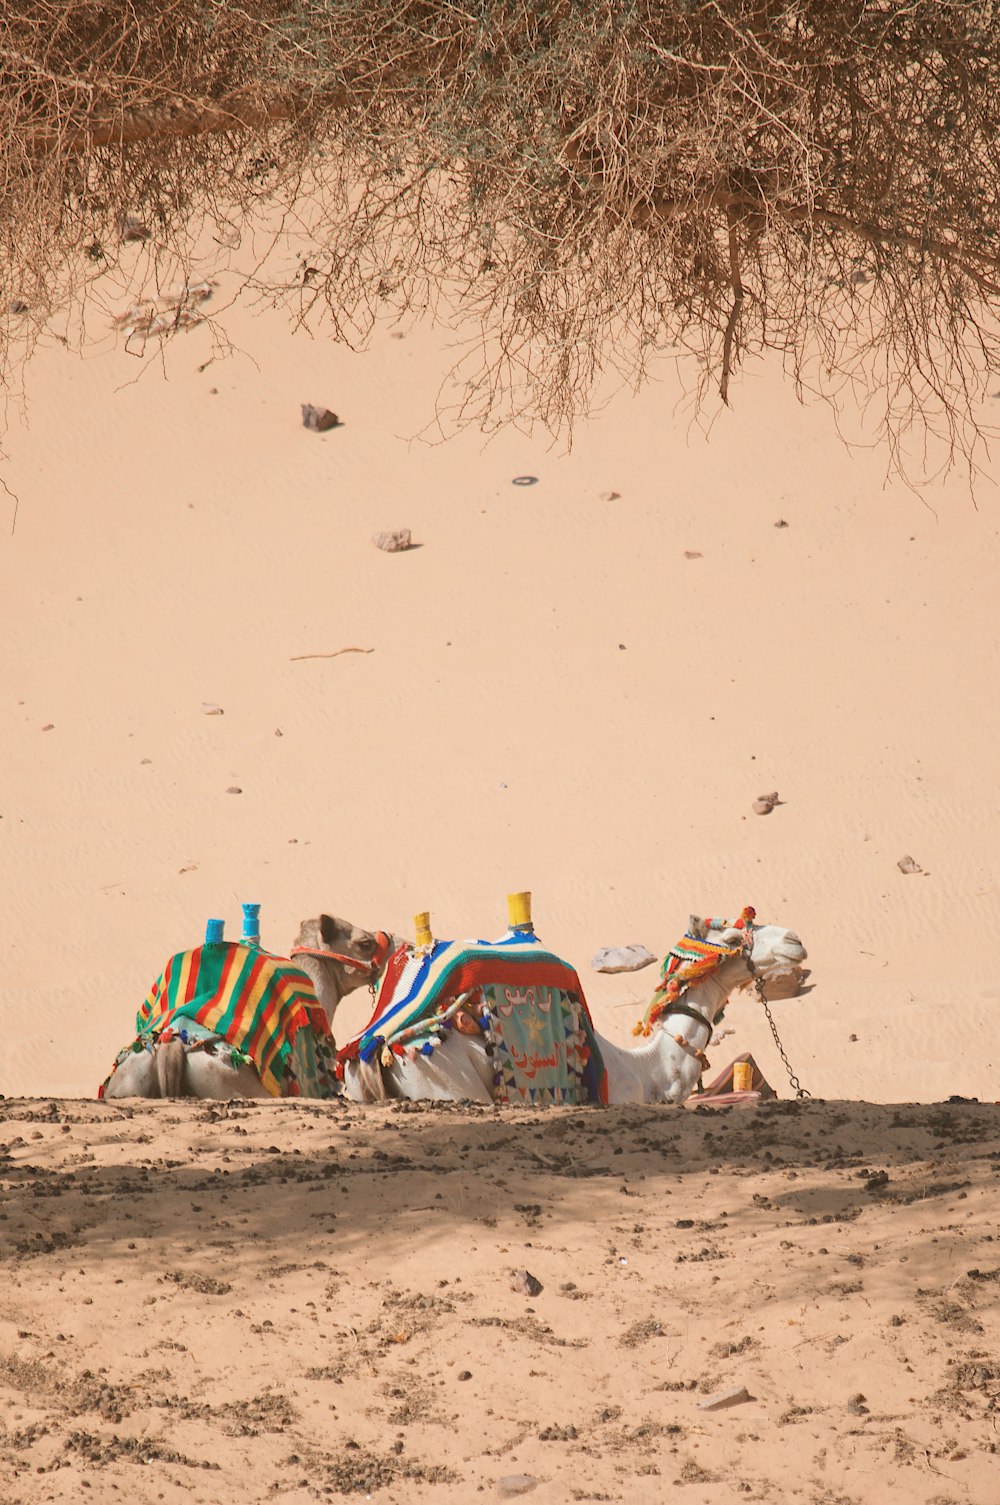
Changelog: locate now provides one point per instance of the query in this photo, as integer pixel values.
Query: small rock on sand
(211, 710)
(234, 789)
(765, 803)
(318, 419)
(907, 865)
(609, 496)
(692, 554)
(723, 1399)
(525, 1283)
(512, 1485)
(393, 540)
(621, 959)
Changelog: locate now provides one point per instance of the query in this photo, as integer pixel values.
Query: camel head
(776, 952)
(339, 957)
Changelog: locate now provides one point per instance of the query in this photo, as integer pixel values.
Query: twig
(297, 657)
(734, 313)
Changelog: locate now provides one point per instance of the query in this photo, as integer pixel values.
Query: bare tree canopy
(590, 180)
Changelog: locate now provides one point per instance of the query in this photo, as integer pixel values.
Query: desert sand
(256, 1302)
(579, 687)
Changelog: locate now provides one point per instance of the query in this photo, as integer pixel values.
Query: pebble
(18, 306)
(466, 1374)
(393, 540)
(765, 803)
(525, 481)
(856, 1405)
(133, 228)
(781, 523)
(722, 1399)
(234, 789)
(621, 959)
(609, 496)
(526, 1284)
(907, 865)
(318, 419)
(512, 1485)
(692, 554)
(210, 709)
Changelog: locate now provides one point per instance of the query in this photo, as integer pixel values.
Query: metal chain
(800, 1091)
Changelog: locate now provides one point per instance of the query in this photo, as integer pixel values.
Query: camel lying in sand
(664, 1068)
(336, 955)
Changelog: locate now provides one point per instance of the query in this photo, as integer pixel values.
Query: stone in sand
(765, 803)
(723, 1399)
(907, 865)
(393, 540)
(621, 959)
(526, 1284)
(512, 1485)
(318, 419)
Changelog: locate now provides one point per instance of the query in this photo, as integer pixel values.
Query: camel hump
(170, 1068)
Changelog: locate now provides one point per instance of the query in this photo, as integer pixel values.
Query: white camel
(663, 1068)
(337, 956)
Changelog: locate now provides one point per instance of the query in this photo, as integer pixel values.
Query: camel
(335, 954)
(664, 1068)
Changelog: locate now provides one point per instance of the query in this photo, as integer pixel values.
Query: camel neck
(325, 981)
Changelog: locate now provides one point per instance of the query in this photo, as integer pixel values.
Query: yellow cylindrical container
(422, 925)
(519, 911)
(742, 1077)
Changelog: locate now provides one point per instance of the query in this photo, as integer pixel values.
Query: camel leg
(209, 1076)
(135, 1077)
(458, 1071)
(169, 1058)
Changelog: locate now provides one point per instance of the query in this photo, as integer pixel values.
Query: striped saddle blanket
(261, 1006)
(527, 1002)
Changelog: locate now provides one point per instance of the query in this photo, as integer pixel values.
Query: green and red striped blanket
(259, 1004)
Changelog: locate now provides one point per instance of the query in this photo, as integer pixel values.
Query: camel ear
(697, 927)
(328, 929)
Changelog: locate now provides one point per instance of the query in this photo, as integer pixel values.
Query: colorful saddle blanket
(529, 1004)
(261, 1006)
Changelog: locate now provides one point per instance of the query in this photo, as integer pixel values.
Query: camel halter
(690, 961)
(383, 945)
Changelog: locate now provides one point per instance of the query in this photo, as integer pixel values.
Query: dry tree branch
(734, 312)
(586, 183)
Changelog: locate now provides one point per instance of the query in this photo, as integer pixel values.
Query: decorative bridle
(371, 969)
(690, 961)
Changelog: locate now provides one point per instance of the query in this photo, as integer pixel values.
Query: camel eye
(366, 945)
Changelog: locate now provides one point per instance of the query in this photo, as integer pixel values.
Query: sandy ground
(255, 1302)
(578, 687)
